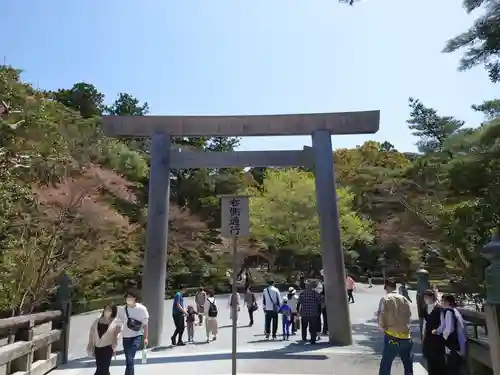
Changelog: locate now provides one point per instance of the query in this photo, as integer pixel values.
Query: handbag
(133, 324)
(276, 307)
(254, 306)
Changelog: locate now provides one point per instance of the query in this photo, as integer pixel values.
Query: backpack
(212, 309)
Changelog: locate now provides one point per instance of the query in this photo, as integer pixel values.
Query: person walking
(103, 338)
(394, 317)
(234, 299)
(135, 317)
(286, 313)
(191, 314)
(292, 302)
(454, 334)
(178, 313)
(433, 348)
(200, 299)
(211, 312)
(324, 331)
(351, 286)
(308, 306)
(403, 290)
(251, 304)
(271, 302)
(369, 274)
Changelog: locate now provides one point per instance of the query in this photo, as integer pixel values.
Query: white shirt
(292, 302)
(271, 298)
(138, 312)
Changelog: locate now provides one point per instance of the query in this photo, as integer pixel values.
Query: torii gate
(319, 125)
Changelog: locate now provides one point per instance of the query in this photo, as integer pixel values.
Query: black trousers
(350, 296)
(294, 322)
(103, 358)
(250, 315)
(310, 322)
(179, 327)
(436, 364)
(271, 319)
(453, 363)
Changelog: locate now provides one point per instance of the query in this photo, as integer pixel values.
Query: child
(287, 318)
(191, 314)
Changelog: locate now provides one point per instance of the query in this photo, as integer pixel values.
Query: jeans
(310, 322)
(392, 348)
(130, 346)
(103, 357)
(271, 317)
(179, 328)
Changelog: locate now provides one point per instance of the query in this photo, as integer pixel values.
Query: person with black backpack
(211, 311)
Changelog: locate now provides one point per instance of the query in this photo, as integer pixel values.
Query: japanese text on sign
(234, 216)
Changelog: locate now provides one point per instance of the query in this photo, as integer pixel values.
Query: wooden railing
(33, 344)
(478, 358)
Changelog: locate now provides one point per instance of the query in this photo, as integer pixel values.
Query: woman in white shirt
(103, 338)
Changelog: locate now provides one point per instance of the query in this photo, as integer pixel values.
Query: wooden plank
(362, 122)
(240, 159)
(475, 317)
(17, 322)
(17, 349)
(41, 367)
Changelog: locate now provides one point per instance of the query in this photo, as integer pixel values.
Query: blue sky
(252, 57)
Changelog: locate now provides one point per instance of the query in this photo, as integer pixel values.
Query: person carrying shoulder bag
(271, 301)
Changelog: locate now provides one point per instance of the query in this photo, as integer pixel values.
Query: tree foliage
(283, 216)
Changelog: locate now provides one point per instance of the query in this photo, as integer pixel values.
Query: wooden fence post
(24, 362)
(491, 251)
(63, 301)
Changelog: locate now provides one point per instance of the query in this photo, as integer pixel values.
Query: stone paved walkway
(255, 354)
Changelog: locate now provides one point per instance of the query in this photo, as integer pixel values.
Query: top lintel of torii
(337, 123)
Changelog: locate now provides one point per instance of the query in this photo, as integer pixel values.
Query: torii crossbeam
(319, 125)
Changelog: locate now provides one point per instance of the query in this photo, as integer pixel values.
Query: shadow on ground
(297, 351)
(368, 335)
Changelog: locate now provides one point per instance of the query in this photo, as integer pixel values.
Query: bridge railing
(33, 344)
(478, 357)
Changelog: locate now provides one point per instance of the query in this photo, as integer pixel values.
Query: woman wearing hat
(292, 302)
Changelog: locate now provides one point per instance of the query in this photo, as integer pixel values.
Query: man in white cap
(292, 302)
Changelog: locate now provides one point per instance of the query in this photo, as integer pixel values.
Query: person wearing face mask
(135, 317)
(433, 347)
(103, 338)
(394, 316)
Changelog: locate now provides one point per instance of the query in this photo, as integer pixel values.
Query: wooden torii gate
(320, 126)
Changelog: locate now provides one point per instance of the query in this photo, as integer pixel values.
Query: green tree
(82, 97)
(284, 218)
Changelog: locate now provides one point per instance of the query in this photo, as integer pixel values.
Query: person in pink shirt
(351, 285)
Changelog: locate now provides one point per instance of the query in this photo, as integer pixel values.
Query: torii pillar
(321, 126)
